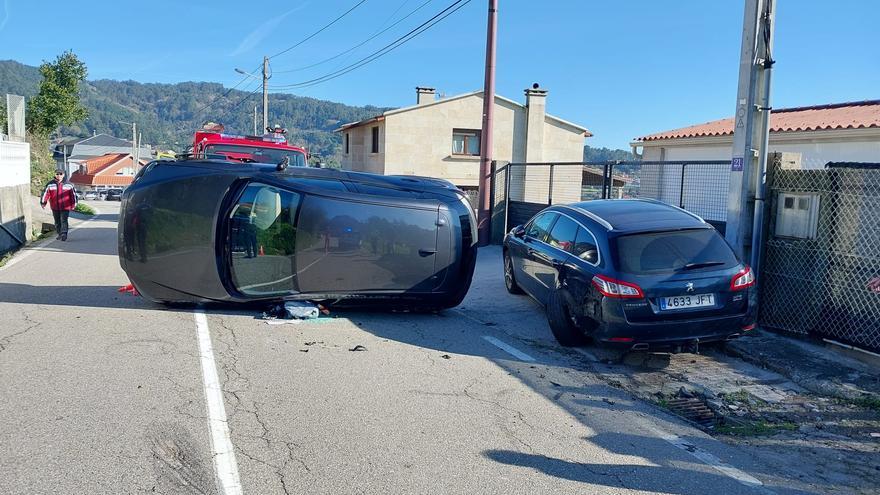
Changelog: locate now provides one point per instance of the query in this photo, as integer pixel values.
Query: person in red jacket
(61, 198)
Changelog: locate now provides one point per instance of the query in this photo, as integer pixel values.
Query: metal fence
(822, 254)
(523, 189)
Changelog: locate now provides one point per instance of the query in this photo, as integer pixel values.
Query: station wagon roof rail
(592, 215)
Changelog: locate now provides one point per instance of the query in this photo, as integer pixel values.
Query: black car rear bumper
(672, 333)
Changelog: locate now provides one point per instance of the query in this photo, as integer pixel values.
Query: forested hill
(167, 114)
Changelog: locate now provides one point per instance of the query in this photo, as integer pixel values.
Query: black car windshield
(672, 251)
(257, 154)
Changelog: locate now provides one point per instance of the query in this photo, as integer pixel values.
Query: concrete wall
(15, 203)
(815, 152)
(815, 149)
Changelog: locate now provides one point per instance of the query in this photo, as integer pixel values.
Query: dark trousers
(61, 221)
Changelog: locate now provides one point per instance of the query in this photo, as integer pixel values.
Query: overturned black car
(202, 231)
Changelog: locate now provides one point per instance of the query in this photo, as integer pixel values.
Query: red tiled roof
(854, 115)
(102, 170)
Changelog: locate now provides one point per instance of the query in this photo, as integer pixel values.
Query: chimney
(536, 104)
(425, 95)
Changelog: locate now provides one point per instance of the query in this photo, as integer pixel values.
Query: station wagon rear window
(673, 251)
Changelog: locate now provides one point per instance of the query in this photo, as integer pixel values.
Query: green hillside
(167, 114)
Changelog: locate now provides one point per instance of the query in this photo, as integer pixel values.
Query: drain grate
(693, 409)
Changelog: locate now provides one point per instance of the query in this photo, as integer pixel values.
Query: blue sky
(622, 69)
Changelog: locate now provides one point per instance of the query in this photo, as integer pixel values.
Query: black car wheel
(563, 323)
(509, 279)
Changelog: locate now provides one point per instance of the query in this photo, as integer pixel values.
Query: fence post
(508, 168)
(681, 187)
(550, 191)
(605, 180)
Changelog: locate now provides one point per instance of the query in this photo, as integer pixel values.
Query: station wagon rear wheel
(562, 321)
(509, 278)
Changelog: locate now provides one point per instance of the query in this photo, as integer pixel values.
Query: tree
(57, 102)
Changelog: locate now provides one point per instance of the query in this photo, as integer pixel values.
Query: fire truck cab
(272, 147)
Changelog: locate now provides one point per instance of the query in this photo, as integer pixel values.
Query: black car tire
(562, 324)
(509, 279)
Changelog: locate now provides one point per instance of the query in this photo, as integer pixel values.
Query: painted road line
(709, 459)
(35, 247)
(225, 466)
(508, 349)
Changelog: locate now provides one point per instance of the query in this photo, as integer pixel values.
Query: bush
(84, 209)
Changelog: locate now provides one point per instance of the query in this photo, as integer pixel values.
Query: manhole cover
(693, 409)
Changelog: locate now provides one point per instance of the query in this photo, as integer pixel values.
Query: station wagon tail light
(610, 287)
(743, 279)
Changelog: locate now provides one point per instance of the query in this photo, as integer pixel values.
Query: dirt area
(820, 407)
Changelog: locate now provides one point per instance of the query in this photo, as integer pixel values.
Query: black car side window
(262, 231)
(585, 246)
(563, 234)
(540, 226)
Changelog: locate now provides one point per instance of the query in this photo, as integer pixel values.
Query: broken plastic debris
(129, 289)
(358, 348)
(302, 310)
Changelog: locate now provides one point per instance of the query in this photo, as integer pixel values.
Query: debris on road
(446, 356)
(129, 289)
(358, 348)
(301, 310)
(295, 313)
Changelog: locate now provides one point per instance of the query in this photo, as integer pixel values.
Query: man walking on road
(61, 197)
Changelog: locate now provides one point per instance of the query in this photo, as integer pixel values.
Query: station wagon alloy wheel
(509, 280)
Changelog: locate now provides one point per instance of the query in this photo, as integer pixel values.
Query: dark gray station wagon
(196, 231)
(637, 273)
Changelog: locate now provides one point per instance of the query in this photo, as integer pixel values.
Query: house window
(347, 139)
(375, 137)
(465, 142)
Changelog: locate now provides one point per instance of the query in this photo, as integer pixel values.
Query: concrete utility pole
(134, 145)
(751, 131)
(265, 92)
(484, 226)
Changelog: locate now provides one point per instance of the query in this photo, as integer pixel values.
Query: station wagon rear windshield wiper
(702, 264)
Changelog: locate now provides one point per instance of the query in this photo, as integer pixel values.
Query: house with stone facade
(440, 137)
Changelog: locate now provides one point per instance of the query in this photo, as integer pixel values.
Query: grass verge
(754, 428)
(84, 209)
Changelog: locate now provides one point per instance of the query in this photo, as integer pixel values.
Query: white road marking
(508, 349)
(222, 450)
(31, 249)
(709, 459)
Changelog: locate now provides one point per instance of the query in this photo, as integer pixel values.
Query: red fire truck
(272, 147)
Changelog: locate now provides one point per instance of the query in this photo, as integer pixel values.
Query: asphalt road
(103, 392)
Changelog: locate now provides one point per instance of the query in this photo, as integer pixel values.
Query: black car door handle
(556, 263)
(427, 252)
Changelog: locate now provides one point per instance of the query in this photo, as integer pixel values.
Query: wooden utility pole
(484, 210)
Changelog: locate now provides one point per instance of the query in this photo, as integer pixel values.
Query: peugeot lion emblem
(690, 286)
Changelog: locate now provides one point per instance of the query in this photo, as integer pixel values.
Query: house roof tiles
(852, 115)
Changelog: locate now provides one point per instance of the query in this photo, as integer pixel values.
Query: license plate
(684, 302)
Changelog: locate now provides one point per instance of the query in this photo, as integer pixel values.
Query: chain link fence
(523, 189)
(822, 254)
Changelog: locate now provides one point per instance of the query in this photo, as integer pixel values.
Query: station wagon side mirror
(519, 231)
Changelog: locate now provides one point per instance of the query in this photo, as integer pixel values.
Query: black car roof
(636, 215)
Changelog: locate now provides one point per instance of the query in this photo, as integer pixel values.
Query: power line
(307, 38)
(374, 36)
(443, 14)
(224, 95)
